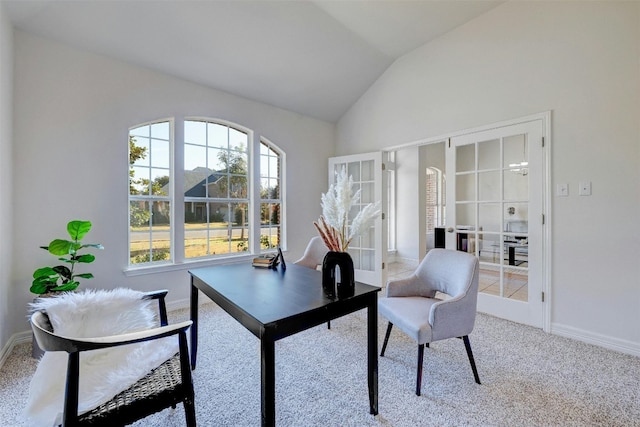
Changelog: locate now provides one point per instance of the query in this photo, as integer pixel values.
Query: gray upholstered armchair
(413, 306)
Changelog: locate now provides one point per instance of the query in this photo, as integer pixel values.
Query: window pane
(149, 232)
(159, 153)
(216, 159)
(240, 214)
(274, 167)
(195, 132)
(269, 237)
(218, 135)
(160, 130)
(141, 155)
(195, 215)
(238, 187)
(140, 131)
(269, 214)
(274, 189)
(237, 140)
(194, 157)
(160, 182)
(138, 180)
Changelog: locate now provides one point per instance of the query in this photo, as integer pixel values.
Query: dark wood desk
(275, 304)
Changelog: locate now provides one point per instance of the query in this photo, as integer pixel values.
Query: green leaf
(46, 281)
(66, 287)
(78, 229)
(63, 271)
(84, 275)
(60, 247)
(86, 258)
(38, 288)
(44, 272)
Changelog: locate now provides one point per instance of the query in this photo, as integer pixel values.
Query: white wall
(72, 113)
(6, 136)
(581, 61)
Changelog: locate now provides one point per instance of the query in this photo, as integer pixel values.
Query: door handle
(450, 230)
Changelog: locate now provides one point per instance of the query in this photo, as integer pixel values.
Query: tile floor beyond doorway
(515, 280)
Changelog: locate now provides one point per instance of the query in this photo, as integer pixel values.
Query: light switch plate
(584, 188)
(562, 190)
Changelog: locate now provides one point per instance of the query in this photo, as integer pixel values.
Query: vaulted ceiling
(315, 58)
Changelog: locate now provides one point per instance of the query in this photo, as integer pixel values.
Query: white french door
(366, 250)
(494, 209)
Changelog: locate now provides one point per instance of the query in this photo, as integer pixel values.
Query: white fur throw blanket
(103, 373)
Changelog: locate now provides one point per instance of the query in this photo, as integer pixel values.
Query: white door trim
(545, 117)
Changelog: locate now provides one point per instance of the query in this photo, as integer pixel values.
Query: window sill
(132, 271)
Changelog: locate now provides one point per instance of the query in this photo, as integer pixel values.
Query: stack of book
(266, 261)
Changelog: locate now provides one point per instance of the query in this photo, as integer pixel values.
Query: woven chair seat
(160, 388)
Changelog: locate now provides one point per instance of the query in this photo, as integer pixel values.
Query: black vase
(346, 287)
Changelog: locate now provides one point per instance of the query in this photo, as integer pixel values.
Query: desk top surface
(269, 295)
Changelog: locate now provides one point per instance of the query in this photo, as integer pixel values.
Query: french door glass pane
(489, 154)
(489, 185)
(465, 215)
(516, 185)
(466, 187)
(466, 158)
(515, 151)
(489, 217)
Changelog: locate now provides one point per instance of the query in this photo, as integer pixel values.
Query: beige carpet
(529, 378)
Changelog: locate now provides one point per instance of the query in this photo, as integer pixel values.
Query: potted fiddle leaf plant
(71, 252)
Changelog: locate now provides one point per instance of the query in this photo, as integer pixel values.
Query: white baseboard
(14, 340)
(615, 344)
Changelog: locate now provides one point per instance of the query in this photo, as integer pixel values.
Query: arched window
(200, 206)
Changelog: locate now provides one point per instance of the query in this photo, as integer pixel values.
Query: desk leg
(372, 340)
(268, 381)
(194, 326)
(512, 255)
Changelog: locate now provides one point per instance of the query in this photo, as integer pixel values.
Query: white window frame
(154, 198)
(281, 200)
(178, 261)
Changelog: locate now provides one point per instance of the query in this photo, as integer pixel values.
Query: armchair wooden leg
(419, 377)
(386, 339)
(187, 381)
(329, 324)
(467, 345)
